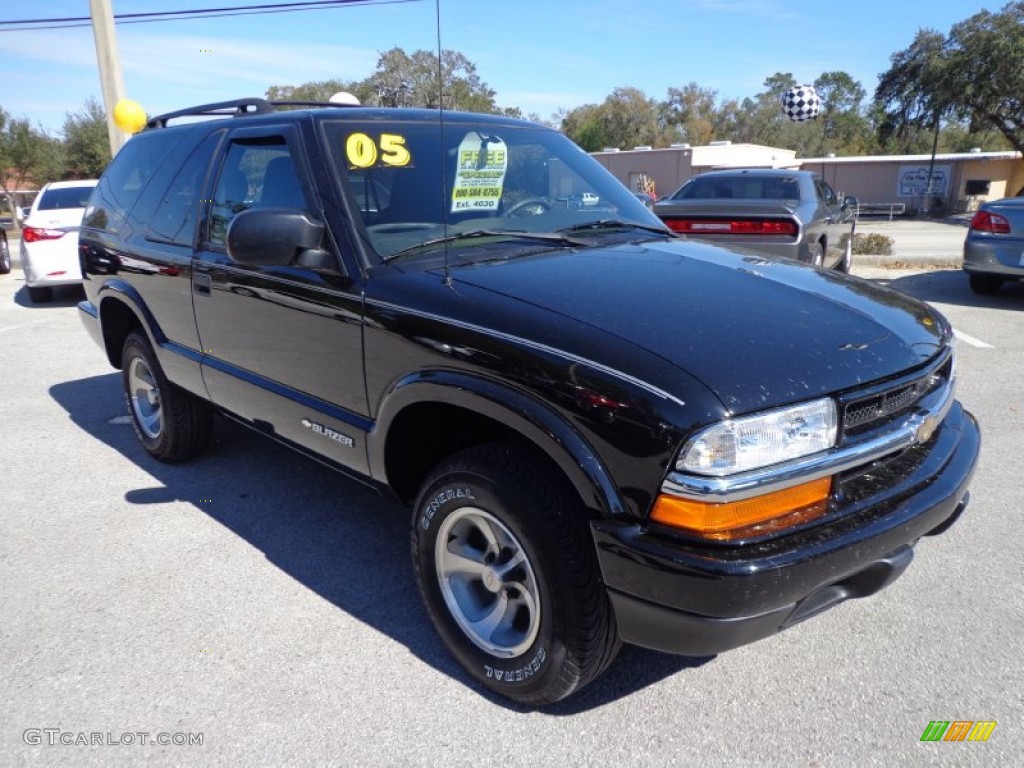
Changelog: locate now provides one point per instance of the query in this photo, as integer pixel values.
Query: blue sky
(537, 55)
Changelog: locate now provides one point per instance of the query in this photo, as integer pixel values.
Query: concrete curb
(915, 261)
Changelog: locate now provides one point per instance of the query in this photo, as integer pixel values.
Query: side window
(126, 177)
(174, 220)
(254, 175)
(826, 193)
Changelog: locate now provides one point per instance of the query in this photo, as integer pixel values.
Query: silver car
(778, 212)
(994, 247)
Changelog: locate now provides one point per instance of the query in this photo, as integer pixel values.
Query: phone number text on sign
(480, 176)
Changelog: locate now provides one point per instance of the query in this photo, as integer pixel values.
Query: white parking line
(971, 340)
(10, 328)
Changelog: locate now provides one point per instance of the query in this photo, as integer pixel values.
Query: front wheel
(508, 573)
(172, 424)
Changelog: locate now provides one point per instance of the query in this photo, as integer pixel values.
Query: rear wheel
(986, 284)
(5, 254)
(847, 261)
(816, 254)
(39, 294)
(172, 424)
(509, 576)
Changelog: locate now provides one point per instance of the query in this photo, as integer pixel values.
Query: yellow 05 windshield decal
(363, 151)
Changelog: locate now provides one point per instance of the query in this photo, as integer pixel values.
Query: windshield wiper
(546, 237)
(616, 224)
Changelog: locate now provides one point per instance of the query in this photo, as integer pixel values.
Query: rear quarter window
(126, 177)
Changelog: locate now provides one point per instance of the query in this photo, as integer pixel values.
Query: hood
(757, 332)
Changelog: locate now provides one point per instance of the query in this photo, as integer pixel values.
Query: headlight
(761, 440)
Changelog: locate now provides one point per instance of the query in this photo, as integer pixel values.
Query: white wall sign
(913, 180)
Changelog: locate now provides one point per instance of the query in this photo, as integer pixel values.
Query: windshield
(417, 188)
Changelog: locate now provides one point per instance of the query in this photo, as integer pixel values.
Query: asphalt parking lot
(266, 604)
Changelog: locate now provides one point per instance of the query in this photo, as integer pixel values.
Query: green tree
(845, 128)
(839, 92)
(975, 73)
(760, 120)
(841, 126)
(26, 154)
(910, 97)
(86, 142)
(626, 118)
(693, 113)
(411, 80)
(408, 80)
(318, 90)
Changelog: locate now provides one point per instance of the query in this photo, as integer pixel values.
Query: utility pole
(109, 65)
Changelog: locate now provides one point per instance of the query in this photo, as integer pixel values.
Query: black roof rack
(311, 104)
(235, 108)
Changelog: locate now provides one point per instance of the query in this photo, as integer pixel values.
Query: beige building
(959, 181)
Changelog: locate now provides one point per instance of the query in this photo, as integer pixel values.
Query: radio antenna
(441, 144)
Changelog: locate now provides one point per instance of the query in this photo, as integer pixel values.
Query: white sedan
(49, 237)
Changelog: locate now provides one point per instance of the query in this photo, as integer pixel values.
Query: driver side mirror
(272, 237)
(851, 202)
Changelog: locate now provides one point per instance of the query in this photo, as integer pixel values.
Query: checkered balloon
(800, 103)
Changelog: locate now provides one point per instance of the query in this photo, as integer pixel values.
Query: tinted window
(254, 176)
(64, 197)
(826, 193)
(175, 218)
(743, 187)
(125, 178)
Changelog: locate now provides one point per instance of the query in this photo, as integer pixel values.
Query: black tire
(5, 254)
(39, 294)
(173, 425)
(847, 260)
(986, 284)
(816, 254)
(556, 631)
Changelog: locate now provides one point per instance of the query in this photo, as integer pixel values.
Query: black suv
(606, 432)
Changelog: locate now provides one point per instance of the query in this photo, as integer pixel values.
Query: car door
(282, 345)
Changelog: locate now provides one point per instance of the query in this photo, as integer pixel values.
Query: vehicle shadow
(63, 296)
(331, 534)
(950, 286)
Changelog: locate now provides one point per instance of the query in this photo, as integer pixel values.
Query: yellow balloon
(129, 115)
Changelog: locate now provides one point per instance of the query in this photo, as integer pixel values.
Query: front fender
(524, 414)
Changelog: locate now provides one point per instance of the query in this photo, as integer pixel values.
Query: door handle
(201, 283)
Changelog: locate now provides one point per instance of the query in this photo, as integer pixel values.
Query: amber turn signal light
(756, 516)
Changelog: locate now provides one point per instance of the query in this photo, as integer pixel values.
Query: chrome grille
(864, 413)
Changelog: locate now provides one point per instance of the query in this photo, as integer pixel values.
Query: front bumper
(699, 599)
